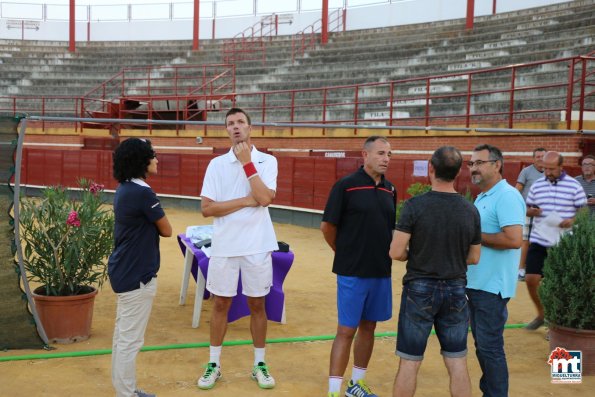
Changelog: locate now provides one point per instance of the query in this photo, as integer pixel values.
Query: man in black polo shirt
(357, 224)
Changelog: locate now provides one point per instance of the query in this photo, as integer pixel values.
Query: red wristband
(250, 170)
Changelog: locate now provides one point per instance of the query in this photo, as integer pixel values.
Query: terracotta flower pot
(575, 339)
(65, 319)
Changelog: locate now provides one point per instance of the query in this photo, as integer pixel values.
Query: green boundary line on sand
(101, 352)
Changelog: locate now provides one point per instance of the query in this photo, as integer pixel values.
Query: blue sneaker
(358, 389)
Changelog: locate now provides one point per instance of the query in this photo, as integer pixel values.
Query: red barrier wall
(302, 182)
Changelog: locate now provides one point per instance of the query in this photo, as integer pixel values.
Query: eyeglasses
(479, 163)
(588, 164)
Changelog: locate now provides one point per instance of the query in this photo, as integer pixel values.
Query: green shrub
(568, 287)
(469, 196)
(415, 189)
(67, 241)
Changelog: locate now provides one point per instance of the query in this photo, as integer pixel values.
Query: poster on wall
(420, 168)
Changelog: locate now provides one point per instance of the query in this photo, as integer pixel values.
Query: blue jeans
(429, 302)
(488, 316)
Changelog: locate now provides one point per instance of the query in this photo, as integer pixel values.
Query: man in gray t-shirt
(587, 180)
(438, 234)
(527, 176)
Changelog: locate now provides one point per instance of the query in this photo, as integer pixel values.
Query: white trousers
(132, 316)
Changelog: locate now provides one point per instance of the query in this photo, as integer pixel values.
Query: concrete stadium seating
(31, 68)
(380, 55)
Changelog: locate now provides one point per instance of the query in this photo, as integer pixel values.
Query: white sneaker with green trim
(211, 375)
(261, 375)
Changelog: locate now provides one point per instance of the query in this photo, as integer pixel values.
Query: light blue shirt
(496, 271)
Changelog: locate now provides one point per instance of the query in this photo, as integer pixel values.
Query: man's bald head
(553, 157)
(552, 165)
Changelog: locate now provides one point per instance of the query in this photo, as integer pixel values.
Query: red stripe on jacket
(368, 188)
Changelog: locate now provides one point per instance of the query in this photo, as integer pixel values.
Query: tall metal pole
(16, 210)
(324, 30)
(470, 12)
(71, 28)
(195, 25)
(213, 25)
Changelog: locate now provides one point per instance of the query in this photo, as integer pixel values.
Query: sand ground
(300, 368)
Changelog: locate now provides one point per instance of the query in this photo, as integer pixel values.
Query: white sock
(357, 373)
(215, 354)
(521, 272)
(258, 355)
(334, 384)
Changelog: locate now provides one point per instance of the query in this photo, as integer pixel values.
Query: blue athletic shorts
(361, 298)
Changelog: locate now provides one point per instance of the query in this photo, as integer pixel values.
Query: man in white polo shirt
(236, 191)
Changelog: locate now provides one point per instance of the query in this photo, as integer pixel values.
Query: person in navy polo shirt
(134, 263)
(358, 224)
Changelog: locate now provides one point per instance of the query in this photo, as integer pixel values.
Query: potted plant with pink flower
(66, 238)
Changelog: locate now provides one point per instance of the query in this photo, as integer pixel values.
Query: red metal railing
(502, 96)
(57, 106)
(250, 44)
(537, 91)
(185, 91)
(151, 81)
(585, 82)
(308, 37)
